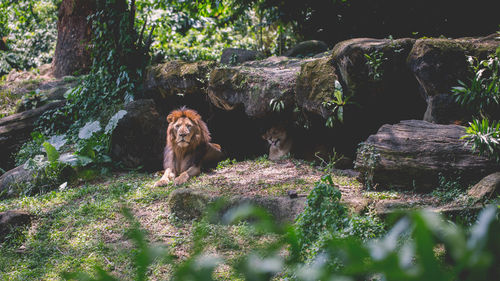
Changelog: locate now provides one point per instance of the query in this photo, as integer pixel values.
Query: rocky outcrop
(234, 56)
(374, 73)
(16, 129)
(316, 84)
(307, 49)
(12, 180)
(488, 187)
(176, 83)
(253, 85)
(412, 154)
(188, 204)
(438, 64)
(139, 138)
(10, 221)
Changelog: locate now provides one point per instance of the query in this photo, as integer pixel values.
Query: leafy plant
(336, 105)
(484, 137)
(482, 93)
(374, 61)
(277, 104)
(28, 30)
(33, 99)
(449, 188)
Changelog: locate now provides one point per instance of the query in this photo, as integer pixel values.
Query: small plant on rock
(374, 61)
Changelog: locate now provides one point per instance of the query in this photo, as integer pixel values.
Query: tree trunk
(73, 37)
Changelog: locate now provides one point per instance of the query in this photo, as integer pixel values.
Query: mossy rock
(254, 84)
(438, 64)
(178, 77)
(316, 84)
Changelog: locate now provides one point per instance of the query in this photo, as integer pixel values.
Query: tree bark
(74, 33)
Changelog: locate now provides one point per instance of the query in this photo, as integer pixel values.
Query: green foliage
(225, 163)
(420, 246)
(323, 212)
(29, 28)
(47, 173)
(484, 137)
(449, 188)
(277, 105)
(482, 93)
(374, 61)
(33, 99)
(336, 105)
(200, 31)
(143, 255)
(30, 148)
(119, 57)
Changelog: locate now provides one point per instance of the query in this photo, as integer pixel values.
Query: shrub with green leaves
(374, 61)
(481, 93)
(484, 137)
(30, 30)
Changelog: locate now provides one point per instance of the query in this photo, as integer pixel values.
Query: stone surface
(412, 153)
(315, 84)
(12, 220)
(12, 179)
(234, 56)
(253, 85)
(16, 129)
(307, 49)
(393, 94)
(486, 188)
(438, 64)
(140, 136)
(189, 204)
(178, 77)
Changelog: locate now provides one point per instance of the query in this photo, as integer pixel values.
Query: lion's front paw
(161, 182)
(182, 178)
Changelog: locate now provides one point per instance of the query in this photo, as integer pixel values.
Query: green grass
(76, 229)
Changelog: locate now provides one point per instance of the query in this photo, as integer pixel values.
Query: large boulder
(11, 221)
(12, 181)
(381, 84)
(487, 188)
(413, 154)
(16, 129)
(139, 138)
(234, 56)
(253, 85)
(188, 204)
(174, 79)
(307, 49)
(438, 64)
(374, 75)
(316, 84)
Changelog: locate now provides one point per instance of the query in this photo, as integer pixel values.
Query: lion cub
(279, 141)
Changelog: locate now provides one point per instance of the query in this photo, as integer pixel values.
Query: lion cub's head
(275, 136)
(186, 129)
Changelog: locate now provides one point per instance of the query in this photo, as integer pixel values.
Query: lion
(279, 141)
(188, 148)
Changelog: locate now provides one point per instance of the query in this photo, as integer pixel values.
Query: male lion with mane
(188, 148)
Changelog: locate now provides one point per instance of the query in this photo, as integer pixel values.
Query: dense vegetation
(326, 241)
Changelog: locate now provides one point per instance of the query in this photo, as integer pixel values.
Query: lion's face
(184, 131)
(275, 136)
